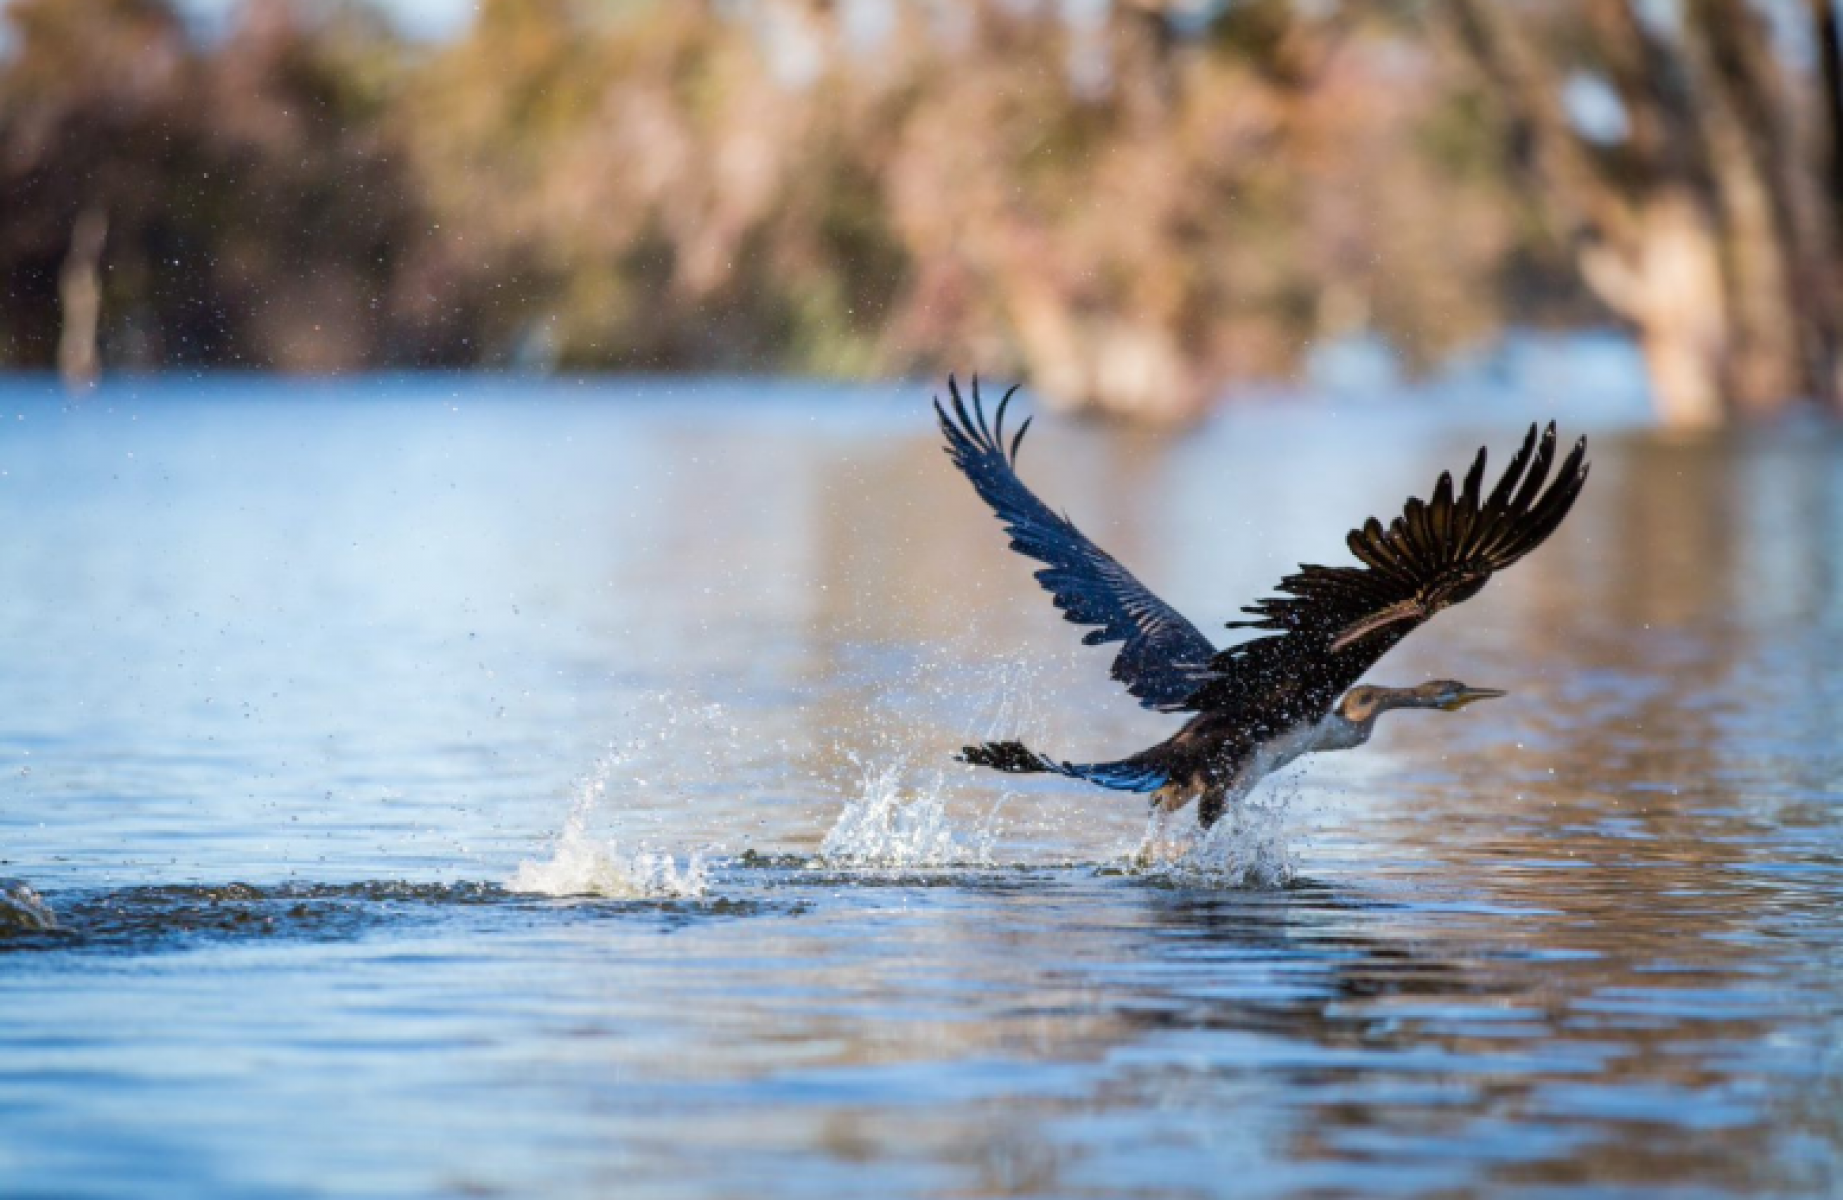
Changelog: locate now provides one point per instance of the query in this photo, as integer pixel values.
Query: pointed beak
(1470, 695)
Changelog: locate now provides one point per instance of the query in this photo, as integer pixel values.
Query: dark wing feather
(1334, 623)
(1165, 659)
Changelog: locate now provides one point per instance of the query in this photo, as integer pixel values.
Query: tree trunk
(1671, 291)
(1828, 31)
(80, 300)
(1777, 249)
(1702, 230)
(1102, 363)
(1829, 35)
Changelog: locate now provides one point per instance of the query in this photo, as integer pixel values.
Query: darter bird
(1261, 704)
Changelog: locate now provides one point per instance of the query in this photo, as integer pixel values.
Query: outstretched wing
(1165, 659)
(1335, 622)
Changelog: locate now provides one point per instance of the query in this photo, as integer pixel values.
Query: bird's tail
(1127, 775)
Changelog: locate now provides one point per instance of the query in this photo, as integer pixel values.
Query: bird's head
(1364, 703)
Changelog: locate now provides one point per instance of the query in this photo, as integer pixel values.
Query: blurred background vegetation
(1136, 205)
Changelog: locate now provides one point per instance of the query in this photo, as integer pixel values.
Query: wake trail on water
(895, 815)
(23, 910)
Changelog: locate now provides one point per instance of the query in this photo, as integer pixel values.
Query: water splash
(23, 910)
(1013, 710)
(581, 864)
(884, 827)
(1247, 848)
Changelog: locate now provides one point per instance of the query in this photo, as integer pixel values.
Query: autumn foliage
(1135, 210)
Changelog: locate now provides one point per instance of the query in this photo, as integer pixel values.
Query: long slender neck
(1338, 732)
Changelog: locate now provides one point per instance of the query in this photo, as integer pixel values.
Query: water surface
(311, 694)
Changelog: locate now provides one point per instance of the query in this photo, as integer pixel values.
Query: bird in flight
(1260, 704)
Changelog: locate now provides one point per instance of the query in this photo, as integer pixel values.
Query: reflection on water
(291, 689)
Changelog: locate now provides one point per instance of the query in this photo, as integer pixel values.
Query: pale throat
(1335, 731)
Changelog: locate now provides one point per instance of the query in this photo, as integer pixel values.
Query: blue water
(322, 706)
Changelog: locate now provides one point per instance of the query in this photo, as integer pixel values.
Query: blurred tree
(1127, 211)
(1134, 204)
(255, 213)
(1703, 217)
(91, 97)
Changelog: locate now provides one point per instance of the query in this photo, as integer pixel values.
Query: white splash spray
(581, 864)
(884, 827)
(1247, 848)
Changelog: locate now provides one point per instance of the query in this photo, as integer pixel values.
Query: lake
(488, 787)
